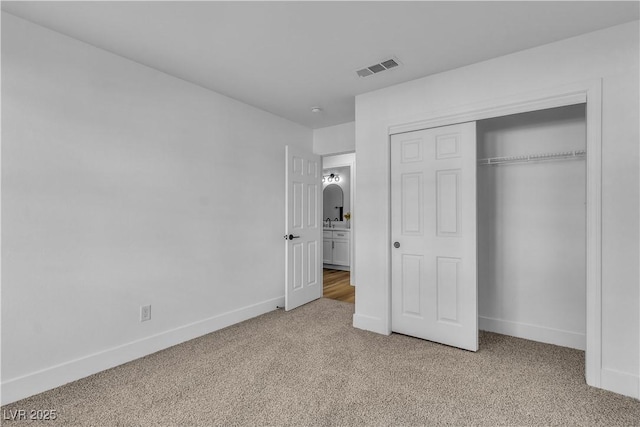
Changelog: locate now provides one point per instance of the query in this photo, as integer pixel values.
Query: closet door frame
(589, 93)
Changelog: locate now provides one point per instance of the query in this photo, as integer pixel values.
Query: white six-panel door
(303, 238)
(433, 232)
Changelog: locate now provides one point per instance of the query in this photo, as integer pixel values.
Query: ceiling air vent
(376, 68)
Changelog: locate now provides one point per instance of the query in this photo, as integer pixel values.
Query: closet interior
(531, 197)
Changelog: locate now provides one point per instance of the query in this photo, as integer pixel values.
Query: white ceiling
(285, 57)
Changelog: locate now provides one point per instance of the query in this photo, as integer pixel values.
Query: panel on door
(433, 231)
(303, 253)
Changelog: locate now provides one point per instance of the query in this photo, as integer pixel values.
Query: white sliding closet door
(433, 231)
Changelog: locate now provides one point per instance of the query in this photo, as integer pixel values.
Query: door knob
(396, 244)
(290, 237)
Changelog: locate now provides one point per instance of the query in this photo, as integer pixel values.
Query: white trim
(589, 92)
(533, 332)
(337, 267)
(370, 323)
(593, 356)
(620, 382)
(55, 376)
(539, 100)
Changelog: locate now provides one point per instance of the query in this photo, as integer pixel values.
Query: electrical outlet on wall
(145, 312)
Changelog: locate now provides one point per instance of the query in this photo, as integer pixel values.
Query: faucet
(328, 220)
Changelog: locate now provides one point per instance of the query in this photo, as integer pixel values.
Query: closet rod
(532, 157)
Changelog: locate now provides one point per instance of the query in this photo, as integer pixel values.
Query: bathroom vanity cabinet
(336, 249)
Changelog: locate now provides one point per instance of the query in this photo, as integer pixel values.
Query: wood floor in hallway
(336, 286)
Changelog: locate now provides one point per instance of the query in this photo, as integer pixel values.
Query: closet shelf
(532, 157)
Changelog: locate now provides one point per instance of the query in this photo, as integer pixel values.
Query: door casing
(589, 93)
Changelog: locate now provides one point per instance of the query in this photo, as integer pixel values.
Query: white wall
(610, 55)
(123, 186)
(531, 228)
(335, 139)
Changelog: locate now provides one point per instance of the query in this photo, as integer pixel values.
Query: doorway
(338, 215)
(528, 278)
(590, 94)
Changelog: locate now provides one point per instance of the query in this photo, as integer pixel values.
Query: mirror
(336, 195)
(333, 203)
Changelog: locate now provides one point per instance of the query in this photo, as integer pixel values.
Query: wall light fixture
(331, 178)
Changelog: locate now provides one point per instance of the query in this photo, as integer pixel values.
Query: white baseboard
(337, 267)
(36, 382)
(620, 382)
(533, 332)
(369, 323)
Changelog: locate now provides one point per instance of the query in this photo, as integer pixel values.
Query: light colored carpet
(311, 367)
